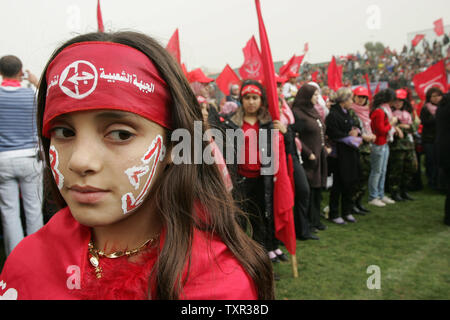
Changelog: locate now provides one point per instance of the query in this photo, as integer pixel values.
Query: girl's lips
(88, 197)
(87, 194)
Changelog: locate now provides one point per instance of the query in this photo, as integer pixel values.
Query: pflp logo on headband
(105, 75)
(78, 79)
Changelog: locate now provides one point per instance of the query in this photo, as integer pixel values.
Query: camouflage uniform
(364, 158)
(402, 161)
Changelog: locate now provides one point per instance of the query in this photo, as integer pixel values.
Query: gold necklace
(96, 254)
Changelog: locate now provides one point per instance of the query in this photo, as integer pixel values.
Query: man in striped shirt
(20, 168)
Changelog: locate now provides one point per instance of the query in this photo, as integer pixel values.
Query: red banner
(226, 78)
(173, 46)
(283, 196)
(101, 28)
(417, 39)
(252, 67)
(334, 75)
(439, 27)
(293, 65)
(434, 76)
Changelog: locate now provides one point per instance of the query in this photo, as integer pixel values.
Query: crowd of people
(341, 141)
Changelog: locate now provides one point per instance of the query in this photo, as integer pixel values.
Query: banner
(173, 46)
(252, 67)
(434, 76)
(226, 78)
(439, 27)
(334, 75)
(293, 65)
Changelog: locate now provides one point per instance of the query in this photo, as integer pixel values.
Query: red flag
(252, 67)
(377, 89)
(417, 39)
(226, 78)
(283, 197)
(293, 65)
(439, 27)
(434, 76)
(334, 75)
(173, 46)
(183, 67)
(101, 28)
(314, 76)
(366, 76)
(306, 49)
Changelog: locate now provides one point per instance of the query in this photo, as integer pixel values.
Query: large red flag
(252, 67)
(334, 75)
(101, 28)
(417, 39)
(283, 196)
(226, 78)
(366, 76)
(439, 27)
(173, 46)
(293, 65)
(434, 76)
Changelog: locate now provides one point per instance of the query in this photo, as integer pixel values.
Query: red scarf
(11, 83)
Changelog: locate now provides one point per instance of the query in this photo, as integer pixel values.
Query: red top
(251, 168)
(52, 264)
(380, 126)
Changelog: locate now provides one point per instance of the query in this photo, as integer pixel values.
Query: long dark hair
(430, 92)
(195, 183)
(382, 97)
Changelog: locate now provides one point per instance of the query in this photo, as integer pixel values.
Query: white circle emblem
(84, 81)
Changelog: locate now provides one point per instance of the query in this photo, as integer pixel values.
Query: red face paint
(54, 163)
(129, 202)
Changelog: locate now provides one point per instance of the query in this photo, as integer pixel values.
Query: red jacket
(46, 265)
(380, 126)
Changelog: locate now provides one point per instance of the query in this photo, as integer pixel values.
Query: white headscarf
(321, 102)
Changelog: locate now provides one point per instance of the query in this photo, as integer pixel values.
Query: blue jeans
(378, 166)
(24, 174)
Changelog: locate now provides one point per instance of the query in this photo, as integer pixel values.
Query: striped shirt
(18, 134)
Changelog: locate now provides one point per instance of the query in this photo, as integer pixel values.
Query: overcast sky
(213, 32)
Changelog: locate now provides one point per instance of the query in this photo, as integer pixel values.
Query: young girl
(255, 187)
(382, 123)
(134, 224)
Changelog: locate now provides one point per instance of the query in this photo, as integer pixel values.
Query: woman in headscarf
(311, 129)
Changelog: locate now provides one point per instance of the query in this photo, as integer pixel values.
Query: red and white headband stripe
(251, 89)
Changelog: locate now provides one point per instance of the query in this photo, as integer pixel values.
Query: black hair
(10, 66)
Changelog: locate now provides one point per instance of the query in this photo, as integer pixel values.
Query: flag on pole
(366, 76)
(173, 46)
(434, 76)
(226, 78)
(334, 75)
(439, 27)
(101, 28)
(283, 202)
(252, 66)
(417, 39)
(293, 65)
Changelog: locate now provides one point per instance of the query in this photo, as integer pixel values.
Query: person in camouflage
(360, 113)
(402, 160)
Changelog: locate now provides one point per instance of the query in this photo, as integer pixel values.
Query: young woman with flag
(255, 182)
(133, 224)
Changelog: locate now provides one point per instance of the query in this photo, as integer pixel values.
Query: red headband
(105, 75)
(251, 89)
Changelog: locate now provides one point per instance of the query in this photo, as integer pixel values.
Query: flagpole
(294, 265)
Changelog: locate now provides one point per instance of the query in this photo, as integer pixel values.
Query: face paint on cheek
(54, 163)
(155, 153)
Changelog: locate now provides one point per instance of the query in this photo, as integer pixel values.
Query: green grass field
(407, 241)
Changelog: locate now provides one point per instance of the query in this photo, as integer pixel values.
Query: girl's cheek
(54, 164)
(136, 174)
